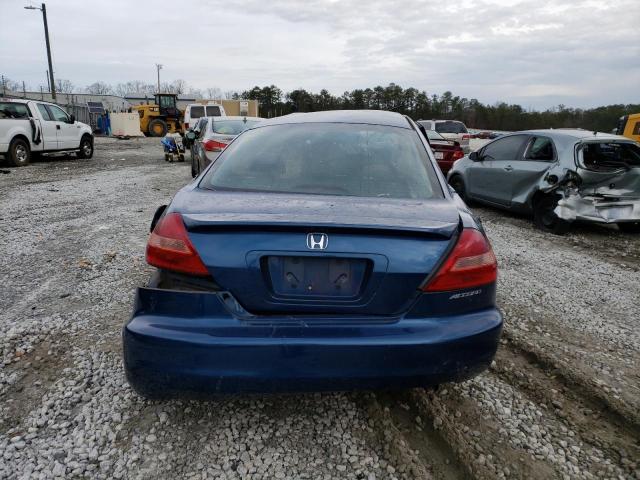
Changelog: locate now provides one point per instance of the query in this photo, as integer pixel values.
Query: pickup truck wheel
(86, 147)
(546, 219)
(158, 127)
(632, 227)
(19, 153)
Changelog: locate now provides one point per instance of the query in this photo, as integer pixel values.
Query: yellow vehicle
(629, 126)
(163, 117)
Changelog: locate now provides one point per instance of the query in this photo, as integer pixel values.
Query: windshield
(331, 159)
(450, 127)
(232, 127)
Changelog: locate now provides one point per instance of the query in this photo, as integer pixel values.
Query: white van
(196, 110)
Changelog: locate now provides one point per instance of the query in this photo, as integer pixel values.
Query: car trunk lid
(308, 255)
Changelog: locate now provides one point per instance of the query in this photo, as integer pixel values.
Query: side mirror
(475, 157)
(72, 119)
(191, 135)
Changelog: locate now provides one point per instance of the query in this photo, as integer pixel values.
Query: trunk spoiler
(307, 223)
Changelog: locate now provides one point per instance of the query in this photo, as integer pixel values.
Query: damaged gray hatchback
(557, 175)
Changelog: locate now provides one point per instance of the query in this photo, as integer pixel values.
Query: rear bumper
(190, 353)
(598, 209)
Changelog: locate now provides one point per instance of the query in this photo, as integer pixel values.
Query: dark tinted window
(541, 149)
(231, 127)
(324, 158)
(213, 111)
(13, 110)
(450, 127)
(196, 112)
(506, 148)
(636, 129)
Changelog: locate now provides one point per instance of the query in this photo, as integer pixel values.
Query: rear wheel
(546, 219)
(86, 147)
(19, 153)
(631, 227)
(158, 127)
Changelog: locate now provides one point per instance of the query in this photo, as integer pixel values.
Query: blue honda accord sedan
(320, 251)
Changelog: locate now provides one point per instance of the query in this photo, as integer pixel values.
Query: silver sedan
(213, 134)
(559, 176)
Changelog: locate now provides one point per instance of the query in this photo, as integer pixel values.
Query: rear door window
(213, 111)
(540, 149)
(14, 110)
(196, 112)
(507, 148)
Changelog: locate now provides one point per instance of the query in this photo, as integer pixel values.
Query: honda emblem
(317, 241)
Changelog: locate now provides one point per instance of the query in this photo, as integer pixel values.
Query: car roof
(372, 117)
(234, 117)
(571, 133)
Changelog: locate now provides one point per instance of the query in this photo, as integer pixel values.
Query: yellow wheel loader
(163, 117)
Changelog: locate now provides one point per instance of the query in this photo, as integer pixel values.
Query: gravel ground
(561, 400)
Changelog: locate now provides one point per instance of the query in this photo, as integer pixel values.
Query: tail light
(466, 136)
(470, 264)
(457, 153)
(213, 146)
(186, 126)
(169, 247)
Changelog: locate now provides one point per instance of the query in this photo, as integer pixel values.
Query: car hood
(201, 207)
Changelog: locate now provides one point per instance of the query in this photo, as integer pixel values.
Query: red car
(445, 151)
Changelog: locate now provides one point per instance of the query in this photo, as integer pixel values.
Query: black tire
(545, 218)
(458, 185)
(86, 147)
(181, 157)
(166, 157)
(631, 227)
(19, 153)
(157, 128)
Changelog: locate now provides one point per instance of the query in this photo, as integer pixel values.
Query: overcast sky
(538, 53)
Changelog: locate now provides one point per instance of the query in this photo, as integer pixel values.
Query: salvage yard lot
(563, 398)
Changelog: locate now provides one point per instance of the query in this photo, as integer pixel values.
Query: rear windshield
(13, 110)
(450, 127)
(196, 112)
(213, 111)
(231, 127)
(327, 159)
(606, 157)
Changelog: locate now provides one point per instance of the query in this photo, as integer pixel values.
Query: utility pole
(52, 84)
(158, 67)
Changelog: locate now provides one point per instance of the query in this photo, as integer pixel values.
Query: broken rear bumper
(598, 209)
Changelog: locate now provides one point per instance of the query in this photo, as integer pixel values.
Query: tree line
(417, 104)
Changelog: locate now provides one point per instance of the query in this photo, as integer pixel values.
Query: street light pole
(158, 67)
(43, 9)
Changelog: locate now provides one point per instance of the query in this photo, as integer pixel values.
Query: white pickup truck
(29, 127)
